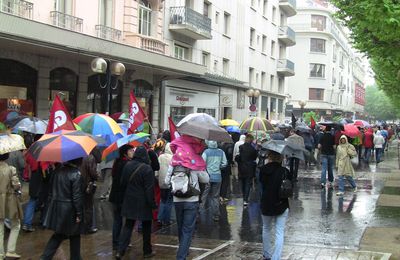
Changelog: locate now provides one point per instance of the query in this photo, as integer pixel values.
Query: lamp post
(110, 69)
(302, 104)
(253, 95)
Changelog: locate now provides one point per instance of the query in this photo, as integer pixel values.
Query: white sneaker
(339, 193)
(355, 190)
(12, 255)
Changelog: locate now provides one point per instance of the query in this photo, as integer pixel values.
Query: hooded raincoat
(344, 153)
(215, 159)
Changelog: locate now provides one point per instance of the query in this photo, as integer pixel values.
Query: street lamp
(302, 104)
(253, 95)
(101, 66)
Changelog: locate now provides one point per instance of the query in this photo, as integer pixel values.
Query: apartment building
(329, 73)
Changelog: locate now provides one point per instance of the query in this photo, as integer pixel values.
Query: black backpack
(181, 182)
(286, 188)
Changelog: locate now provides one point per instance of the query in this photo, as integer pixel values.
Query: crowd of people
(190, 174)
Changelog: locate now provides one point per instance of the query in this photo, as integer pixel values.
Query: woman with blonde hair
(344, 153)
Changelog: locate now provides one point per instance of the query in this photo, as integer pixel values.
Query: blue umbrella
(233, 129)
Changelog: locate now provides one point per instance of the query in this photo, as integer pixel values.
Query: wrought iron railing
(19, 8)
(66, 21)
(187, 16)
(108, 33)
(285, 64)
(152, 45)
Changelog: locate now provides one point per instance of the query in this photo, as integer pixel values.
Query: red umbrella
(351, 130)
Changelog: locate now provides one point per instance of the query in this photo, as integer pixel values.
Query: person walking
(296, 139)
(187, 152)
(344, 152)
(235, 170)
(116, 194)
(379, 142)
(226, 172)
(273, 208)
(215, 160)
(65, 211)
(368, 144)
(166, 202)
(246, 166)
(10, 206)
(327, 147)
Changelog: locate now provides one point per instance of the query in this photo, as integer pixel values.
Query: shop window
(97, 101)
(209, 111)
(64, 82)
(177, 113)
(227, 112)
(143, 91)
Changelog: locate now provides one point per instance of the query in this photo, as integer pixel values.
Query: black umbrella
(286, 148)
(332, 124)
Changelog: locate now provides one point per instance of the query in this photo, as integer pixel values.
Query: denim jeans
(367, 154)
(246, 185)
(30, 211)
(280, 222)
(164, 212)
(186, 213)
(117, 225)
(294, 167)
(213, 195)
(349, 179)
(378, 154)
(327, 165)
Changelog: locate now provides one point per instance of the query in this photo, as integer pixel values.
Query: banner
(312, 123)
(59, 117)
(172, 129)
(136, 114)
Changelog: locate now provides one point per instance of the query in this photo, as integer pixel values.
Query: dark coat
(271, 176)
(66, 201)
(88, 170)
(155, 165)
(247, 165)
(138, 192)
(116, 193)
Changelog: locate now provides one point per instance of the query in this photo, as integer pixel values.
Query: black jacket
(66, 201)
(138, 201)
(116, 193)
(247, 164)
(271, 176)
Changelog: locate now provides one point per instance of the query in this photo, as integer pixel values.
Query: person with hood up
(344, 152)
(187, 153)
(235, 153)
(137, 185)
(368, 144)
(215, 160)
(273, 208)
(164, 212)
(379, 142)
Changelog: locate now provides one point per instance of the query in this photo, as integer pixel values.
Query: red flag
(136, 114)
(312, 122)
(172, 129)
(59, 117)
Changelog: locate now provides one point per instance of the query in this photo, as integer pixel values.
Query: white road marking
(176, 246)
(214, 250)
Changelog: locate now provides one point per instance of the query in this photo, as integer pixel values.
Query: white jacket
(379, 141)
(164, 159)
(237, 145)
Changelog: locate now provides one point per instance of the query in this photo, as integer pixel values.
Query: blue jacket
(215, 159)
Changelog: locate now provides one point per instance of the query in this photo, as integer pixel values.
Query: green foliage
(307, 117)
(377, 104)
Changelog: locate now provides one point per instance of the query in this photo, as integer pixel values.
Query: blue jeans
(280, 222)
(186, 213)
(349, 179)
(378, 154)
(30, 211)
(246, 185)
(327, 164)
(215, 188)
(117, 225)
(164, 212)
(367, 154)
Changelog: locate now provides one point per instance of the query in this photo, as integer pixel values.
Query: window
(251, 76)
(317, 45)
(318, 22)
(272, 105)
(144, 18)
(315, 94)
(280, 105)
(62, 6)
(206, 9)
(252, 36)
(264, 44)
(263, 78)
(272, 49)
(227, 21)
(216, 17)
(256, 79)
(334, 54)
(205, 60)
(253, 3)
(106, 12)
(273, 14)
(181, 52)
(281, 85)
(317, 70)
(271, 82)
(215, 66)
(225, 67)
(265, 8)
(333, 76)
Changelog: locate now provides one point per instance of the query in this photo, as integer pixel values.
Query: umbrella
(100, 125)
(10, 114)
(199, 118)
(351, 130)
(345, 121)
(32, 124)
(361, 123)
(285, 148)
(256, 124)
(332, 124)
(111, 152)
(204, 130)
(10, 143)
(120, 116)
(62, 146)
(233, 129)
(302, 127)
(3, 127)
(228, 122)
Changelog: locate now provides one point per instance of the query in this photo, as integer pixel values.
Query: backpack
(182, 186)
(286, 188)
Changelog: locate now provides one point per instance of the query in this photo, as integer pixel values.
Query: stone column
(43, 88)
(82, 102)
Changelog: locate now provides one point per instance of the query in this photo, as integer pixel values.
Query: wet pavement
(320, 224)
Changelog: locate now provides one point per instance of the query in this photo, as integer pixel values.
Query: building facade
(329, 73)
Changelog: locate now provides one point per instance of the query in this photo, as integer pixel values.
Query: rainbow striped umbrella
(256, 124)
(62, 146)
(100, 125)
(111, 152)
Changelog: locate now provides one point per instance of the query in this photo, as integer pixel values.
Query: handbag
(354, 160)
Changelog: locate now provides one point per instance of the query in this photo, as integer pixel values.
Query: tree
(378, 105)
(307, 117)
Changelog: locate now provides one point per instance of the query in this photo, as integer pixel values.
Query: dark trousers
(88, 216)
(117, 225)
(126, 234)
(226, 175)
(246, 185)
(294, 167)
(54, 243)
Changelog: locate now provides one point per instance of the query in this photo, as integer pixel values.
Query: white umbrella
(198, 118)
(10, 143)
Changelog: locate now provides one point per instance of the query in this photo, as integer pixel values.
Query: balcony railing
(285, 67)
(19, 8)
(194, 21)
(66, 21)
(108, 33)
(287, 35)
(288, 6)
(152, 45)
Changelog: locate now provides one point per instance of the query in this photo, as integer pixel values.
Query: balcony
(190, 23)
(287, 35)
(108, 33)
(288, 6)
(146, 43)
(19, 8)
(66, 21)
(285, 68)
